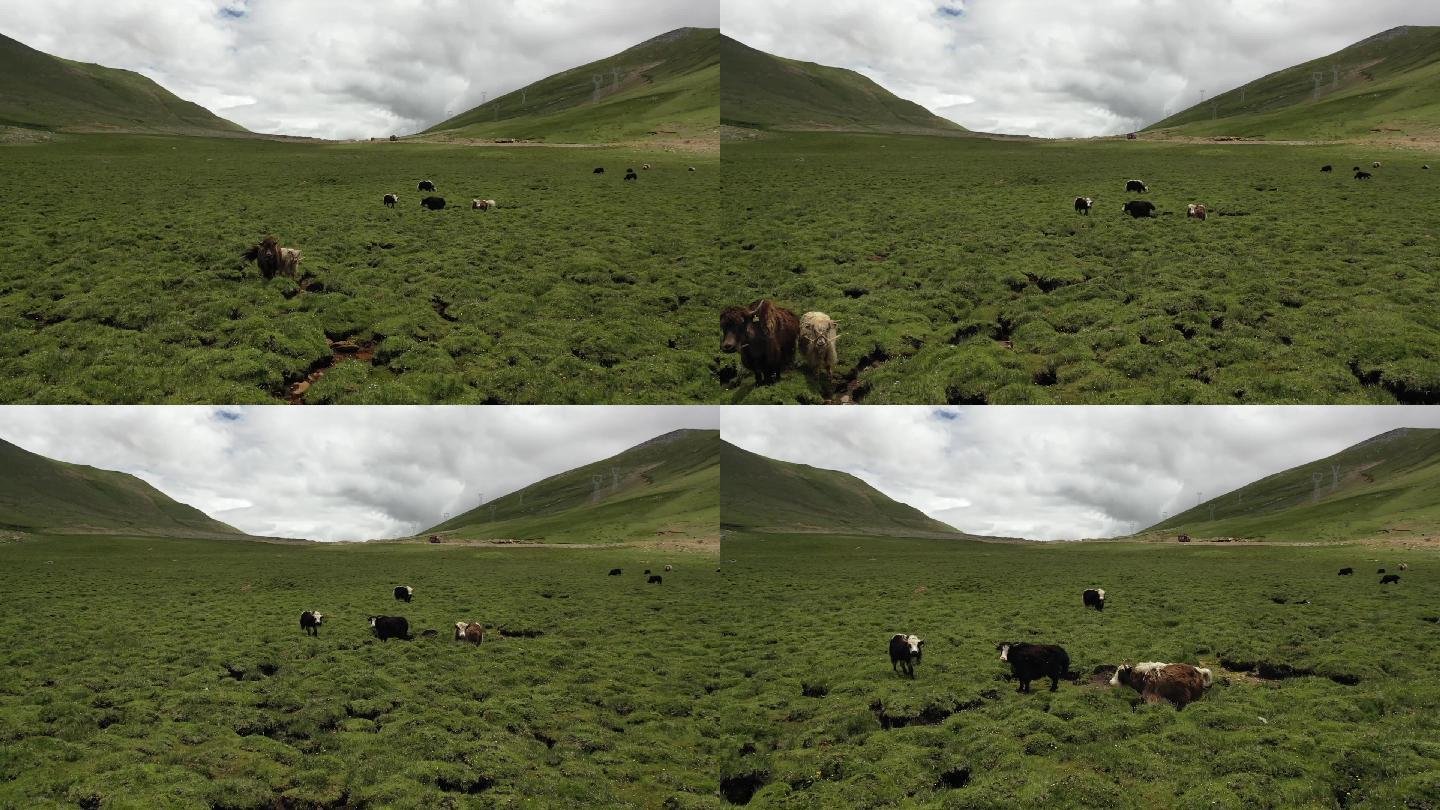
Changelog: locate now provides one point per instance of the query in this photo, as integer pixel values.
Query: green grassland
(765, 91)
(1386, 485)
(121, 280)
(1361, 731)
(38, 493)
(1386, 83)
(41, 91)
(959, 271)
(668, 486)
(763, 494)
(173, 673)
(669, 85)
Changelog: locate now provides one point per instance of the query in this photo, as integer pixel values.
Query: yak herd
(1179, 684)
(388, 627)
(1157, 682)
(274, 260)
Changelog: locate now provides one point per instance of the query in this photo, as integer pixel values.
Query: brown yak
(764, 334)
(473, 632)
(1180, 684)
(272, 258)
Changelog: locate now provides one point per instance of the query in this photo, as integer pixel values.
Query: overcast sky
(1063, 68)
(339, 473)
(344, 68)
(1052, 473)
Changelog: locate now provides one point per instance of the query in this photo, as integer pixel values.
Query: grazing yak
(599, 170)
(425, 185)
(1404, 567)
(1379, 570)
(1327, 168)
(433, 203)
(1083, 204)
(1359, 175)
(403, 593)
(1029, 662)
(310, 622)
(473, 632)
(905, 652)
(692, 168)
(1137, 186)
(1389, 578)
(391, 199)
(645, 167)
(273, 259)
(1375, 165)
(1180, 684)
(653, 580)
(615, 572)
(1426, 167)
(482, 205)
(631, 175)
(1345, 572)
(764, 334)
(1196, 211)
(818, 335)
(388, 627)
(669, 567)
(1139, 209)
(1094, 597)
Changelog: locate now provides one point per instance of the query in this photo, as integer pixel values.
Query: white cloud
(337, 68)
(1061, 68)
(339, 473)
(1050, 473)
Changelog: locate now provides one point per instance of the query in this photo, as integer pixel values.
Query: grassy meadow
(1362, 731)
(121, 280)
(959, 271)
(173, 673)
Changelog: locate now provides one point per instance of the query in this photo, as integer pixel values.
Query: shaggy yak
(763, 334)
(818, 335)
(273, 259)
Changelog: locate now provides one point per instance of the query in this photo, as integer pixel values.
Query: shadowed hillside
(665, 487)
(667, 86)
(42, 494)
(1387, 84)
(41, 91)
(763, 91)
(1389, 485)
(762, 494)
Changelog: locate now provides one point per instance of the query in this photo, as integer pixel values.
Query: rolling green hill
(762, 494)
(40, 91)
(1388, 83)
(1389, 485)
(42, 494)
(665, 487)
(668, 85)
(763, 91)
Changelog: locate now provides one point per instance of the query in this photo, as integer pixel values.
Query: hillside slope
(1388, 484)
(762, 494)
(763, 91)
(1388, 83)
(44, 495)
(668, 486)
(40, 91)
(669, 85)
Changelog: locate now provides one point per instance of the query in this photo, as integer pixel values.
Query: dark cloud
(1060, 68)
(340, 473)
(342, 69)
(1068, 472)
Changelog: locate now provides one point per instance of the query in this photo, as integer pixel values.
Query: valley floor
(173, 673)
(1355, 724)
(121, 279)
(960, 272)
